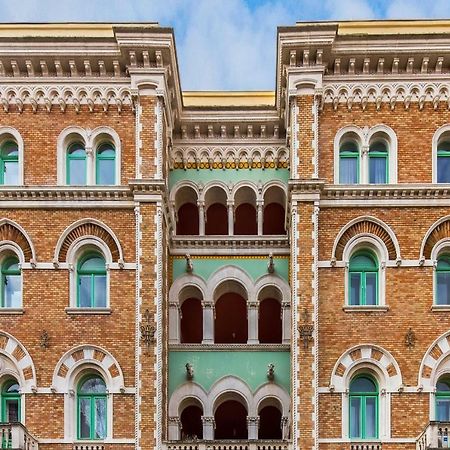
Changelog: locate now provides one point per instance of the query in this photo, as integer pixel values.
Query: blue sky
(221, 44)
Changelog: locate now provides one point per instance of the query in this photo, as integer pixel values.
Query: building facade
(225, 270)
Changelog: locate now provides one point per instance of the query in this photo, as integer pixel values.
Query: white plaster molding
(268, 392)
(230, 277)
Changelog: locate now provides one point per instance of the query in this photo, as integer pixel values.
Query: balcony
(228, 445)
(435, 435)
(366, 446)
(15, 436)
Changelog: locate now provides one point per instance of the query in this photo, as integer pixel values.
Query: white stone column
(201, 218)
(284, 428)
(285, 323)
(364, 165)
(260, 209)
(252, 427)
(209, 424)
(252, 321)
(174, 429)
(208, 322)
(90, 165)
(230, 218)
(174, 323)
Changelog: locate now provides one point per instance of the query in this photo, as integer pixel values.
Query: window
(91, 281)
(9, 163)
(378, 163)
(443, 280)
(363, 408)
(91, 417)
(105, 164)
(443, 399)
(10, 402)
(349, 163)
(363, 279)
(76, 164)
(443, 162)
(11, 289)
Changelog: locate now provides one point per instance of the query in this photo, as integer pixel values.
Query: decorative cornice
(230, 347)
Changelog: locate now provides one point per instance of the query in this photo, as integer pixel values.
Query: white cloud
(413, 9)
(349, 9)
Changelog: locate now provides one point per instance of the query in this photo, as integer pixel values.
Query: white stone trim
(27, 237)
(4, 131)
(137, 338)
(428, 233)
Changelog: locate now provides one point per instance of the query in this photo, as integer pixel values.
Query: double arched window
(91, 408)
(9, 163)
(91, 281)
(363, 279)
(11, 282)
(363, 408)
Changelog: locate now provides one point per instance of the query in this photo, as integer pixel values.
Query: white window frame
(5, 135)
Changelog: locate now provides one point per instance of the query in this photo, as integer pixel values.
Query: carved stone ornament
(271, 372)
(44, 339)
(147, 331)
(306, 330)
(189, 371)
(410, 338)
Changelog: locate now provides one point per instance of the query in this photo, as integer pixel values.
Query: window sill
(365, 308)
(440, 308)
(83, 311)
(8, 311)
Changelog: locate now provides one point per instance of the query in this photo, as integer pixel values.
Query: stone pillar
(90, 165)
(230, 218)
(284, 428)
(286, 322)
(174, 429)
(252, 321)
(174, 323)
(364, 165)
(252, 428)
(260, 206)
(209, 424)
(201, 218)
(208, 322)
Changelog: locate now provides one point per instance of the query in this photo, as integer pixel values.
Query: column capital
(209, 420)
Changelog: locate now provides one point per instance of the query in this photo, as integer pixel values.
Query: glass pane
(443, 263)
(362, 262)
(443, 384)
(355, 288)
(106, 151)
(100, 291)
(100, 418)
(443, 169)
(377, 170)
(13, 291)
(362, 384)
(11, 388)
(94, 385)
(443, 409)
(443, 288)
(84, 291)
(85, 418)
(371, 288)
(93, 263)
(10, 150)
(371, 417)
(348, 170)
(11, 175)
(12, 410)
(77, 171)
(105, 171)
(355, 413)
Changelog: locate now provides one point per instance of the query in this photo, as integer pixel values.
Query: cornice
(229, 347)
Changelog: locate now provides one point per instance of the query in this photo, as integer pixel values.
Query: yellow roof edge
(379, 27)
(228, 93)
(229, 98)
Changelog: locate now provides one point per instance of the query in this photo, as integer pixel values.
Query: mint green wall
(229, 175)
(255, 267)
(210, 366)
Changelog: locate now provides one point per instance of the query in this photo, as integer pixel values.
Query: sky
(221, 44)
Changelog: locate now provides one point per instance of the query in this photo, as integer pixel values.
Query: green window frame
(443, 162)
(9, 163)
(378, 151)
(105, 154)
(363, 425)
(11, 283)
(10, 395)
(91, 281)
(363, 279)
(347, 152)
(442, 280)
(76, 152)
(92, 407)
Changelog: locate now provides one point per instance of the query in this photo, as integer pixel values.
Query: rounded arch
(65, 138)
(88, 228)
(439, 231)
(440, 134)
(214, 187)
(185, 285)
(215, 198)
(270, 394)
(18, 355)
(251, 196)
(275, 285)
(6, 133)
(369, 357)
(229, 276)
(387, 135)
(274, 214)
(366, 225)
(12, 232)
(347, 133)
(181, 185)
(185, 393)
(73, 362)
(231, 387)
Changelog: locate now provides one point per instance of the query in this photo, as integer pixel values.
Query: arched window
(11, 295)
(191, 423)
(349, 163)
(270, 423)
(230, 324)
(91, 281)
(76, 164)
(363, 279)
(91, 417)
(443, 162)
(274, 212)
(231, 420)
(443, 399)
(10, 403)
(216, 211)
(9, 163)
(363, 408)
(105, 164)
(378, 163)
(191, 323)
(245, 212)
(270, 322)
(443, 280)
